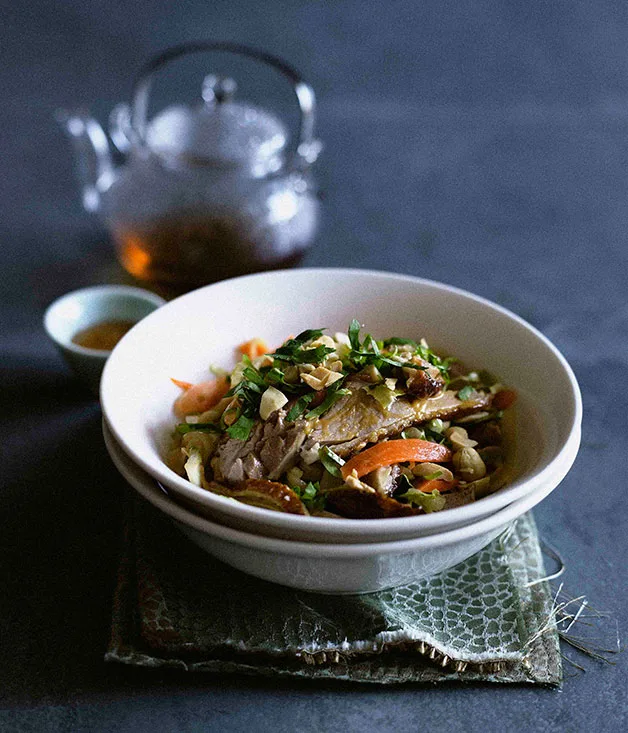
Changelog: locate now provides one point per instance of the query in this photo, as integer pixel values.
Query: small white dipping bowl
(204, 327)
(324, 568)
(80, 309)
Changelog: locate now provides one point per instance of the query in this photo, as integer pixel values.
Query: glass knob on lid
(221, 132)
(218, 89)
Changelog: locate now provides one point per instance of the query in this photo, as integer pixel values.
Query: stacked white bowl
(183, 338)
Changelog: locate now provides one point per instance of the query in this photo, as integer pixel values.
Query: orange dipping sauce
(102, 336)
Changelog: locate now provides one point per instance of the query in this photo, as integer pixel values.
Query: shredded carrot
(440, 484)
(179, 383)
(253, 348)
(504, 399)
(200, 397)
(395, 451)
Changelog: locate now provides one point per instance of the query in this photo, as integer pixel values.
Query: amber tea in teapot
(207, 191)
(193, 250)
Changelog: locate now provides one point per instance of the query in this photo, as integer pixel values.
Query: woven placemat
(484, 620)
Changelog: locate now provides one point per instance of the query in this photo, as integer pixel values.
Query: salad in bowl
(345, 425)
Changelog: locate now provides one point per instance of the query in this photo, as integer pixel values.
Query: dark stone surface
(484, 144)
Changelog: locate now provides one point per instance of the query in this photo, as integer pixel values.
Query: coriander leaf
(354, 334)
(243, 387)
(434, 437)
(241, 428)
(308, 335)
(207, 427)
(432, 476)
(289, 347)
(436, 425)
(433, 502)
(442, 365)
(310, 491)
(299, 406)
(310, 496)
(396, 341)
(247, 387)
(370, 344)
(252, 375)
(413, 433)
(303, 356)
(465, 393)
(330, 399)
(330, 461)
(275, 377)
(312, 356)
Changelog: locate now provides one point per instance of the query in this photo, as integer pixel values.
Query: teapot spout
(92, 154)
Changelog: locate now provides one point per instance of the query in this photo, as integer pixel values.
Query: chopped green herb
(466, 392)
(310, 496)
(396, 341)
(292, 350)
(425, 353)
(413, 432)
(309, 492)
(440, 438)
(251, 375)
(207, 427)
(276, 378)
(354, 334)
(436, 425)
(370, 344)
(309, 335)
(330, 461)
(432, 502)
(370, 353)
(432, 476)
(330, 399)
(304, 356)
(241, 428)
(312, 356)
(299, 406)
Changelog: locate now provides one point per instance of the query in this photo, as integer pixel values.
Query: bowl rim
(553, 472)
(113, 291)
(148, 488)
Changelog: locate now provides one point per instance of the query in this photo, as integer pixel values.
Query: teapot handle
(306, 149)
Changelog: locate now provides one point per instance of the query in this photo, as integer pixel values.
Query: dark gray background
(484, 144)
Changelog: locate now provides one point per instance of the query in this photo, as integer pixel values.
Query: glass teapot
(203, 192)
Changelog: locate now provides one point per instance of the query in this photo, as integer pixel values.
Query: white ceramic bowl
(201, 328)
(325, 568)
(77, 310)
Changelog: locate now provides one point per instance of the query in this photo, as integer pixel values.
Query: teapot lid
(220, 132)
